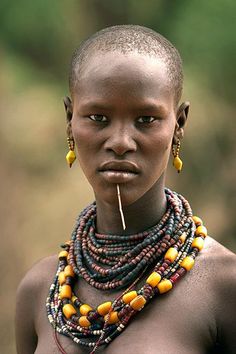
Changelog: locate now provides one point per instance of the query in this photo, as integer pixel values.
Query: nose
(121, 140)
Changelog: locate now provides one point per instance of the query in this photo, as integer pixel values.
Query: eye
(146, 119)
(98, 118)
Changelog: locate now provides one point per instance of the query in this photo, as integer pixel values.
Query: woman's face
(123, 124)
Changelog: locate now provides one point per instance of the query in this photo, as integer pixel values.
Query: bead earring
(70, 157)
(177, 162)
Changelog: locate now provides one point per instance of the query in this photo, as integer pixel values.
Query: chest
(180, 321)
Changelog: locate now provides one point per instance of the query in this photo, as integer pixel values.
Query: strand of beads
(112, 262)
(87, 255)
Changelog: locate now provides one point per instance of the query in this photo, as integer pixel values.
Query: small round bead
(68, 310)
(171, 254)
(69, 271)
(187, 263)
(63, 254)
(84, 322)
(197, 221)
(85, 309)
(198, 243)
(113, 317)
(201, 231)
(129, 296)
(138, 302)
(65, 292)
(104, 308)
(153, 279)
(164, 286)
(61, 278)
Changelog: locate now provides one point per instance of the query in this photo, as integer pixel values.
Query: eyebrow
(96, 105)
(151, 108)
(141, 107)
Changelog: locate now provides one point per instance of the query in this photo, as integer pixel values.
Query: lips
(119, 171)
(123, 166)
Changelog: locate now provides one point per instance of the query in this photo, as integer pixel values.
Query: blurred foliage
(40, 197)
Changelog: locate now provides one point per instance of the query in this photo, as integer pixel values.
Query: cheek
(78, 131)
(160, 146)
(84, 137)
(83, 142)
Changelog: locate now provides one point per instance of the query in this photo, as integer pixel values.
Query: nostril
(120, 144)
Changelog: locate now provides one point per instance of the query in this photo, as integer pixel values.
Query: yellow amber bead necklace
(174, 254)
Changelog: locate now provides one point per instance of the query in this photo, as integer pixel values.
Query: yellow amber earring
(177, 162)
(70, 157)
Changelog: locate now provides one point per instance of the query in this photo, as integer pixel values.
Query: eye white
(146, 119)
(98, 118)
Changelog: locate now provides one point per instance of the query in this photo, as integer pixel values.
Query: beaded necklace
(110, 262)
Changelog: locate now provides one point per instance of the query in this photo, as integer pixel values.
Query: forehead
(130, 75)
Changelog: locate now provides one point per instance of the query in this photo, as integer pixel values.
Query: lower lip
(118, 176)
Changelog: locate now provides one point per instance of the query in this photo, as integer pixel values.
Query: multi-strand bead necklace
(111, 262)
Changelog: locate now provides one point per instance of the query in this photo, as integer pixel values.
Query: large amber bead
(187, 263)
(201, 231)
(104, 308)
(61, 278)
(178, 163)
(69, 271)
(198, 242)
(84, 322)
(129, 296)
(153, 279)
(65, 292)
(113, 317)
(171, 254)
(197, 221)
(85, 309)
(70, 157)
(164, 286)
(138, 302)
(68, 310)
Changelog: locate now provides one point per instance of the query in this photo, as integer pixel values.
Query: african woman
(139, 273)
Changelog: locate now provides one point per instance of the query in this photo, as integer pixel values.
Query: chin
(129, 194)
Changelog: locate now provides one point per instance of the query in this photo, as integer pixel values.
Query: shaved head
(128, 39)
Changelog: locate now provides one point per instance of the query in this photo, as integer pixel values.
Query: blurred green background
(40, 196)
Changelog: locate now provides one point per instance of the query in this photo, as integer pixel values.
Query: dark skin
(124, 107)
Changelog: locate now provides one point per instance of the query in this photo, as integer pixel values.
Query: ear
(69, 112)
(181, 118)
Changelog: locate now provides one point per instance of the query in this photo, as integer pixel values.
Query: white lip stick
(120, 207)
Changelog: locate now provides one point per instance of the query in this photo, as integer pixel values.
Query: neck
(139, 216)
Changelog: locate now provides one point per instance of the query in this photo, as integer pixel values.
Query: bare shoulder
(210, 242)
(32, 286)
(219, 257)
(221, 265)
(40, 273)
(30, 292)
